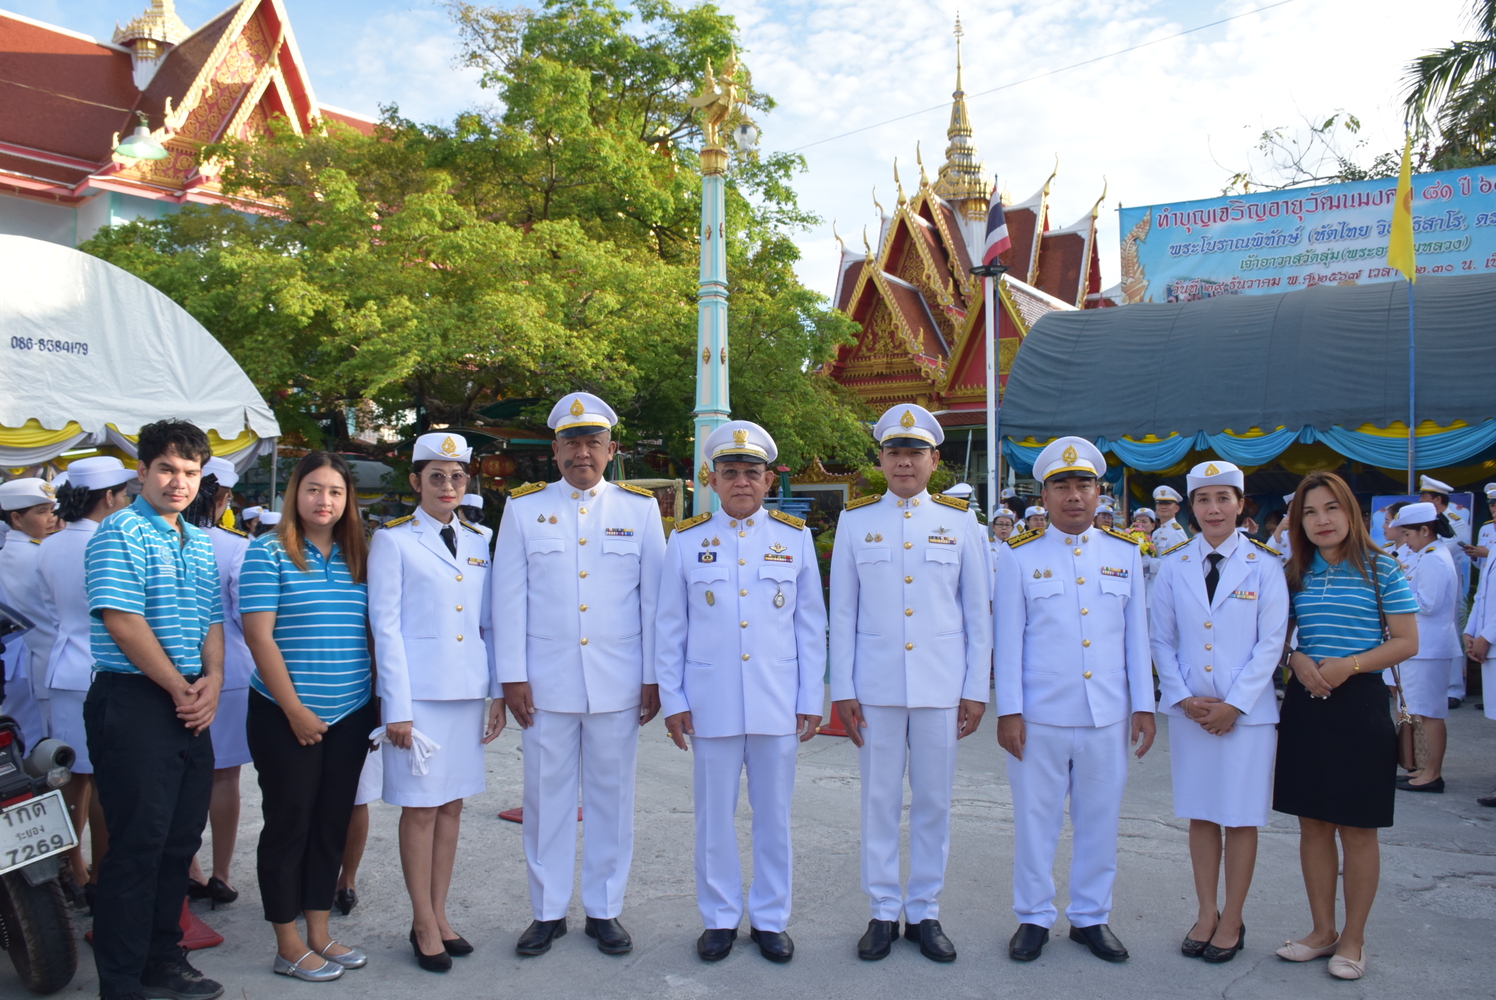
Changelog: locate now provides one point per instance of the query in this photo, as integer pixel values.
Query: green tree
(1452, 92)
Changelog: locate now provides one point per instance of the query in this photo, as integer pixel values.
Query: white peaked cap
(98, 473)
(1491, 490)
(472, 500)
(1215, 474)
(1428, 484)
(250, 513)
(1040, 511)
(18, 494)
(580, 413)
(1146, 510)
(1416, 513)
(270, 517)
(1009, 492)
(224, 470)
(906, 420)
(442, 447)
(1069, 455)
(740, 441)
(1167, 493)
(959, 490)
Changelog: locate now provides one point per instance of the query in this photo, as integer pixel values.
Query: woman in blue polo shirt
(1337, 747)
(305, 609)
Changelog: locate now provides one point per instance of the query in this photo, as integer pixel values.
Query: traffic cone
(518, 815)
(834, 727)
(195, 933)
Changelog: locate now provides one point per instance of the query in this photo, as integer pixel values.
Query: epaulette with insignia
(34, 541)
(692, 522)
(526, 490)
(1180, 545)
(798, 523)
(1264, 546)
(862, 501)
(1129, 539)
(635, 489)
(232, 531)
(398, 521)
(1024, 537)
(469, 526)
(955, 502)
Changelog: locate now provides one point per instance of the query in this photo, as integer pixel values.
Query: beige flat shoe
(1345, 968)
(1294, 951)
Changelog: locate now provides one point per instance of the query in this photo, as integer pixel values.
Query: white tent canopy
(92, 353)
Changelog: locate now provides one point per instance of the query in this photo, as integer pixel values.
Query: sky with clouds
(1166, 122)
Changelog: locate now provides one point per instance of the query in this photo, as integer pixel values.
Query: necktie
(1213, 577)
(449, 535)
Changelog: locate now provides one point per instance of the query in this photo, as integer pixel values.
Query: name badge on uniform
(941, 540)
(1114, 571)
(474, 561)
(706, 557)
(1245, 595)
(619, 532)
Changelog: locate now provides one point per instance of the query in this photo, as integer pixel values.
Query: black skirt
(1337, 757)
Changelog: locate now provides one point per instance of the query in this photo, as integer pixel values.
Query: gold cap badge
(576, 408)
(1069, 456)
(907, 420)
(1211, 470)
(740, 438)
(449, 447)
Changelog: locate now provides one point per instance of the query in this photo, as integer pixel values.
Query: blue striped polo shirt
(137, 563)
(1336, 611)
(321, 624)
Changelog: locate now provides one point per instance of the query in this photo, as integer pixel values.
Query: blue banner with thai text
(1279, 241)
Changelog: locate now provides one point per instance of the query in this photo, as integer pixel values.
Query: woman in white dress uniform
(96, 489)
(1417, 528)
(1220, 613)
(428, 607)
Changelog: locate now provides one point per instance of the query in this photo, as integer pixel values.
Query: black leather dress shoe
(715, 943)
(1455, 703)
(345, 900)
(776, 946)
(537, 938)
(878, 940)
(1216, 955)
(1489, 801)
(1436, 786)
(933, 944)
(1027, 942)
(612, 939)
(457, 947)
(1102, 942)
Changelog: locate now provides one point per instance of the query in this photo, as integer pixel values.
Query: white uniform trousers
(1090, 764)
(600, 750)
(1457, 676)
(719, 762)
(923, 740)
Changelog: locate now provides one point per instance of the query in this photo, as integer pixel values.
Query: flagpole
(1412, 388)
(994, 447)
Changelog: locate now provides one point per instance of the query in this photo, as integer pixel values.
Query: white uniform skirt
(1227, 780)
(371, 779)
(1425, 684)
(230, 736)
(453, 772)
(67, 725)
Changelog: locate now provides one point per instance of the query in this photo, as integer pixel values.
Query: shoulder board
(1176, 545)
(1118, 534)
(1264, 546)
(635, 489)
(790, 519)
(397, 521)
(862, 501)
(692, 522)
(469, 527)
(526, 490)
(955, 502)
(232, 531)
(34, 541)
(1025, 537)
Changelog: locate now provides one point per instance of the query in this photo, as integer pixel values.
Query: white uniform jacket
(576, 576)
(1435, 584)
(740, 638)
(1481, 622)
(20, 589)
(228, 549)
(426, 608)
(911, 605)
(1227, 648)
(1072, 631)
(1487, 540)
(64, 594)
(1168, 535)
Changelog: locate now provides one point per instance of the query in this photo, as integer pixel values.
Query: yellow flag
(1400, 248)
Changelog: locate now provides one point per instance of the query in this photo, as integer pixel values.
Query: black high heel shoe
(345, 900)
(440, 962)
(1217, 955)
(1194, 949)
(219, 891)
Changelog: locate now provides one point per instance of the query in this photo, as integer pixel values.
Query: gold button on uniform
(459, 607)
(1085, 611)
(1208, 646)
(584, 642)
(907, 514)
(1087, 675)
(742, 593)
(459, 577)
(1086, 643)
(745, 656)
(1207, 624)
(742, 534)
(1077, 551)
(1080, 579)
(582, 608)
(574, 494)
(742, 562)
(1207, 669)
(583, 574)
(581, 510)
(908, 645)
(908, 579)
(908, 545)
(742, 624)
(908, 612)
(581, 541)
(459, 638)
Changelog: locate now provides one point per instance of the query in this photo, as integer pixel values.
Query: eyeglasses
(731, 475)
(440, 479)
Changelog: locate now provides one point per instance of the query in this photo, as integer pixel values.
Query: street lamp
(140, 145)
(990, 274)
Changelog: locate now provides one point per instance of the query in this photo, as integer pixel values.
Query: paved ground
(1432, 931)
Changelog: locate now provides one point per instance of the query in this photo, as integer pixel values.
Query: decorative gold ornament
(449, 447)
(1069, 455)
(740, 438)
(1211, 470)
(907, 420)
(576, 408)
(703, 475)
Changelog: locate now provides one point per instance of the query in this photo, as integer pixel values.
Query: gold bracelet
(1355, 664)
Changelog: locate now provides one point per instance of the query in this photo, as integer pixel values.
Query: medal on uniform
(869, 537)
(878, 536)
(1036, 574)
(540, 519)
(553, 518)
(705, 543)
(711, 599)
(1047, 574)
(778, 598)
(715, 540)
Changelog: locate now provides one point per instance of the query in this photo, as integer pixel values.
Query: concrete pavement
(1431, 935)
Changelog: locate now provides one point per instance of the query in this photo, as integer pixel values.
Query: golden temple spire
(898, 183)
(963, 177)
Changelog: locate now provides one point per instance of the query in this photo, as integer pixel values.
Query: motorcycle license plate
(34, 829)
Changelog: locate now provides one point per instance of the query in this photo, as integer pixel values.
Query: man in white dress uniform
(911, 650)
(1073, 672)
(740, 653)
(26, 505)
(1166, 500)
(1431, 490)
(1486, 539)
(576, 573)
(471, 512)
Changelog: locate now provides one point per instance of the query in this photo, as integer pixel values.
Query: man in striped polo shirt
(157, 643)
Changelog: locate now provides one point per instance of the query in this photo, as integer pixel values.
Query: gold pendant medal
(778, 598)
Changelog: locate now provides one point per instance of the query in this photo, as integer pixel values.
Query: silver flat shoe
(353, 958)
(326, 974)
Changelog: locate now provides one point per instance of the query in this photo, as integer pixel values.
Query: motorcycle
(36, 927)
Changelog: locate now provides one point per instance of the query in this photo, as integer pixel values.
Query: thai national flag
(997, 231)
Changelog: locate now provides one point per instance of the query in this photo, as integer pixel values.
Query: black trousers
(307, 800)
(154, 779)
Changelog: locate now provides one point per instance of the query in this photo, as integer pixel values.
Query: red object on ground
(834, 727)
(195, 933)
(518, 815)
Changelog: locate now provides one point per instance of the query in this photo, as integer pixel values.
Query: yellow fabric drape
(33, 435)
(222, 447)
